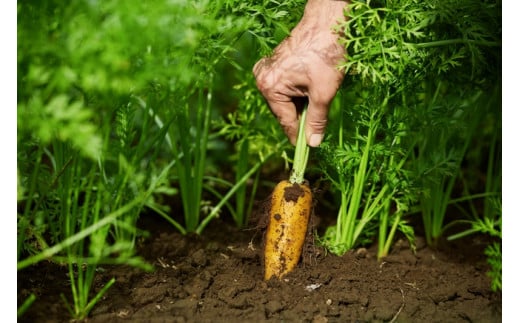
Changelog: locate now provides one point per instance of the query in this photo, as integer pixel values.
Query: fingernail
(315, 139)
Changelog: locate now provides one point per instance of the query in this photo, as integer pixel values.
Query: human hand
(303, 66)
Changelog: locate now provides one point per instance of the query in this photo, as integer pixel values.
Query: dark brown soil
(218, 278)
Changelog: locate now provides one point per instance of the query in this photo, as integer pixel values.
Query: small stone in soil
(199, 258)
(273, 307)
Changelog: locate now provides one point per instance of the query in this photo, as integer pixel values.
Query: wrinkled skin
(305, 65)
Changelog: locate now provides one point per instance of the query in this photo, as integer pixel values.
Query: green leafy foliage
(490, 224)
(256, 137)
(494, 254)
(402, 41)
(419, 82)
(364, 161)
(119, 104)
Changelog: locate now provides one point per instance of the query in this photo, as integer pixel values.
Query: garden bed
(126, 108)
(217, 277)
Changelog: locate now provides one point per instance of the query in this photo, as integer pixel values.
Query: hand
(303, 66)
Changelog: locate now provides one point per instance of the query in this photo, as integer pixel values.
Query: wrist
(319, 19)
(322, 15)
(325, 8)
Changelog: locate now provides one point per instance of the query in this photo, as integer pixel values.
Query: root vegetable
(289, 213)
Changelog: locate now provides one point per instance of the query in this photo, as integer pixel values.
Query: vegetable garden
(153, 181)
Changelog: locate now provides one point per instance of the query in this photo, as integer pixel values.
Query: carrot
(291, 204)
(287, 227)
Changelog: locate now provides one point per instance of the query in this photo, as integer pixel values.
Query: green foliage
(491, 225)
(256, 137)
(419, 80)
(271, 21)
(26, 304)
(65, 120)
(486, 219)
(119, 104)
(442, 147)
(366, 172)
(391, 40)
(195, 107)
(494, 254)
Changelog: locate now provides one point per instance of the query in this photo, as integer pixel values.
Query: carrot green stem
(301, 153)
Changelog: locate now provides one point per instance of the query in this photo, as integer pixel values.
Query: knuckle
(318, 125)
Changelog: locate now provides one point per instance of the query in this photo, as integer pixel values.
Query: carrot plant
(488, 215)
(441, 150)
(81, 202)
(289, 213)
(453, 107)
(366, 174)
(93, 144)
(398, 51)
(115, 108)
(395, 175)
(81, 218)
(483, 213)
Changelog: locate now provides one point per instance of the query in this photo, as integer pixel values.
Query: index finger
(285, 112)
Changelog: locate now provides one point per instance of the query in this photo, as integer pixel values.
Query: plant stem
(358, 185)
(301, 153)
(447, 42)
(110, 218)
(26, 304)
(242, 166)
(384, 245)
(215, 210)
(98, 297)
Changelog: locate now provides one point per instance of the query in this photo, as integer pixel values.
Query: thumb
(315, 123)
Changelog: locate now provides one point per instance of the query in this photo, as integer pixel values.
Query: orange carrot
(289, 213)
(291, 205)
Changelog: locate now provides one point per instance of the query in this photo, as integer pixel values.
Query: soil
(218, 277)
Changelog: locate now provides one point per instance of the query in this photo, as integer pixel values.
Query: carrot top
(301, 153)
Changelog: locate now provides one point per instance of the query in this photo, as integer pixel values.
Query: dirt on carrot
(293, 192)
